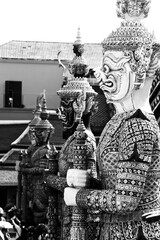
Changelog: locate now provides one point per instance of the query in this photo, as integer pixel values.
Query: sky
(58, 20)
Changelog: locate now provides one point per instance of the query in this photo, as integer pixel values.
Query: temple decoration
(77, 89)
(80, 93)
(136, 42)
(37, 112)
(26, 158)
(79, 215)
(129, 146)
(36, 119)
(40, 160)
(133, 10)
(77, 105)
(52, 212)
(155, 95)
(35, 160)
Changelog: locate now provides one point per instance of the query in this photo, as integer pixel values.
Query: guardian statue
(128, 153)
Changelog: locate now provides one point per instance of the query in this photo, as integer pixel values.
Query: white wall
(35, 77)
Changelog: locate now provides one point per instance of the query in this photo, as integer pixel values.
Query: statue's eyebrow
(115, 63)
(113, 58)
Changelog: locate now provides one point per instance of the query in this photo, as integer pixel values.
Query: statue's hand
(70, 196)
(78, 178)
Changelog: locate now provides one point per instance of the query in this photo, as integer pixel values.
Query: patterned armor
(65, 162)
(128, 159)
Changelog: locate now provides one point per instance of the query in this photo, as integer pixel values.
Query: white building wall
(35, 77)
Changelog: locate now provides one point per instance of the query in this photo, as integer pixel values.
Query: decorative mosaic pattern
(128, 158)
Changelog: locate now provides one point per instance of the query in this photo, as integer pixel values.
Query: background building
(26, 68)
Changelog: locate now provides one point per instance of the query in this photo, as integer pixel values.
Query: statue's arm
(56, 182)
(33, 170)
(136, 149)
(121, 199)
(92, 166)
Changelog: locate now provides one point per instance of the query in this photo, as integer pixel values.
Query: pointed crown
(36, 113)
(78, 68)
(133, 38)
(44, 123)
(129, 36)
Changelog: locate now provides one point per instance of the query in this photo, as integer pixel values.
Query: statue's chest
(108, 154)
(108, 163)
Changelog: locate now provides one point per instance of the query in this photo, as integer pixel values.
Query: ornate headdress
(43, 129)
(132, 37)
(77, 87)
(129, 36)
(78, 68)
(37, 112)
(44, 123)
(133, 9)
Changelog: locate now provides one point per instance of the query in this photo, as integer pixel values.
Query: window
(13, 94)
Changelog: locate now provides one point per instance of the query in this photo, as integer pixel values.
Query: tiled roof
(8, 178)
(11, 156)
(10, 132)
(45, 51)
(57, 139)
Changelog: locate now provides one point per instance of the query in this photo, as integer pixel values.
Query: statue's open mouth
(108, 84)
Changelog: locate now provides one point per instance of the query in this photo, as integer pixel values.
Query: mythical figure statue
(38, 156)
(129, 146)
(77, 102)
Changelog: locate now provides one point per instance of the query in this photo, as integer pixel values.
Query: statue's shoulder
(140, 120)
(140, 115)
(138, 136)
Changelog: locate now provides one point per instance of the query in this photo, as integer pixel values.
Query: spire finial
(37, 112)
(44, 123)
(44, 105)
(78, 38)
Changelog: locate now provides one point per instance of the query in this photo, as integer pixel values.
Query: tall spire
(78, 66)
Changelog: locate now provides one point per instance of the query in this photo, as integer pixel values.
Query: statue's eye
(122, 69)
(106, 69)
